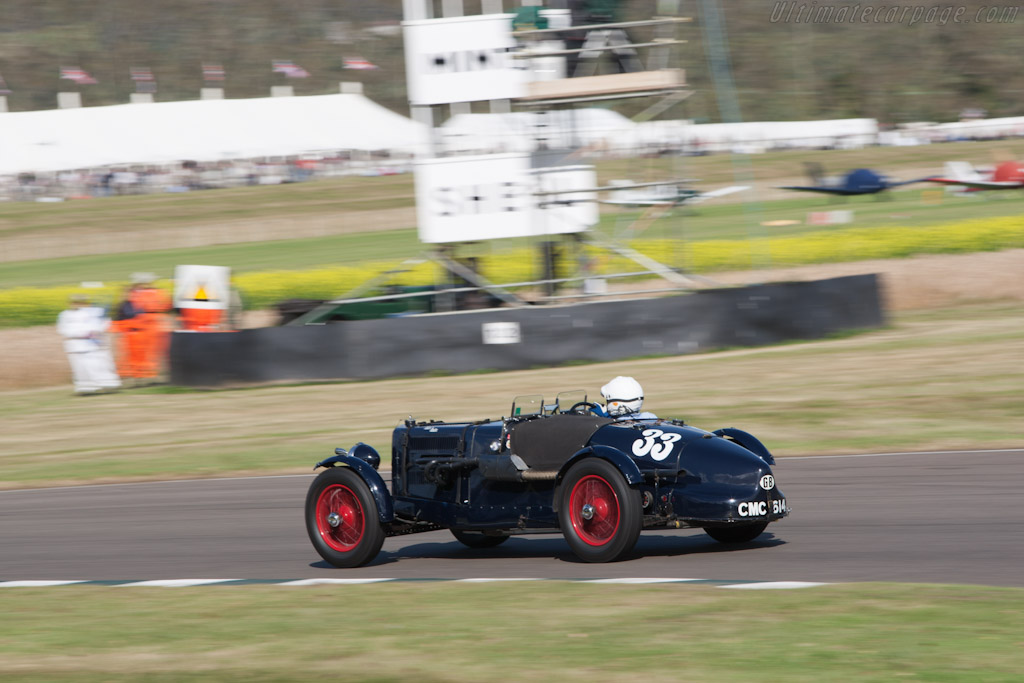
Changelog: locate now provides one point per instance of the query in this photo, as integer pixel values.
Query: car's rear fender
(626, 465)
(748, 441)
(373, 480)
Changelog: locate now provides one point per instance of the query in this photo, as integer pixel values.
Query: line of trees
(783, 69)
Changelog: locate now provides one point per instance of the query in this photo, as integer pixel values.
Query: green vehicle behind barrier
(387, 302)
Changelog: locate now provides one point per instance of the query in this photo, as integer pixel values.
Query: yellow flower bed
(859, 244)
(23, 306)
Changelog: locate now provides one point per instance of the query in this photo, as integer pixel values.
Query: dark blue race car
(549, 467)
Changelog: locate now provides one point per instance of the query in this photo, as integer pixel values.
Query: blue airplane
(860, 181)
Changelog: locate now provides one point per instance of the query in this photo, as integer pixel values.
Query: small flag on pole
(141, 73)
(359, 63)
(213, 72)
(76, 74)
(289, 69)
(143, 77)
(4, 90)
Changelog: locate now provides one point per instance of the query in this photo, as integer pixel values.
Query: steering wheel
(592, 407)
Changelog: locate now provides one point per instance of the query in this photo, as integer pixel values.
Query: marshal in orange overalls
(146, 334)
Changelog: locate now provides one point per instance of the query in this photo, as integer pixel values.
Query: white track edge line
(775, 585)
(39, 583)
(323, 581)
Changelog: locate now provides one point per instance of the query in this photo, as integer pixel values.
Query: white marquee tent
(609, 132)
(200, 130)
(528, 131)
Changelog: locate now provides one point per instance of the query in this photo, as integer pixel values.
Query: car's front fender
(748, 441)
(373, 480)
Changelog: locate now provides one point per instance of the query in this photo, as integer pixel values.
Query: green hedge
(24, 306)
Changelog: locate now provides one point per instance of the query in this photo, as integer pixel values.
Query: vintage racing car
(548, 467)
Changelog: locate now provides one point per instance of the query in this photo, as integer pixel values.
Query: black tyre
(478, 539)
(600, 515)
(736, 533)
(341, 518)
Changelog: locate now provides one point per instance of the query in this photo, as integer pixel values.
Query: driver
(623, 399)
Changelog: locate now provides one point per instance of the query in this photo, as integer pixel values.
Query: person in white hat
(623, 399)
(84, 328)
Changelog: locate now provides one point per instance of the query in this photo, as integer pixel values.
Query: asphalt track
(926, 517)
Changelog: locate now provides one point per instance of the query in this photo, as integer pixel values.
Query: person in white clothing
(84, 329)
(623, 399)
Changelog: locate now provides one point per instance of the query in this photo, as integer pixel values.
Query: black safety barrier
(533, 336)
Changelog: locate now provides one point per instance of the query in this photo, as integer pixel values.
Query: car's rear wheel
(599, 513)
(478, 539)
(736, 533)
(341, 518)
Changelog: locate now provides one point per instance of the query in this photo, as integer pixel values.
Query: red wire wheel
(340, 518)
(594, 510)
(599, 513)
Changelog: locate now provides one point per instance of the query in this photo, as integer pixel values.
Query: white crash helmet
(623, 395)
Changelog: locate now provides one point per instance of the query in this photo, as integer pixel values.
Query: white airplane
(1009, 175)
(665, 194)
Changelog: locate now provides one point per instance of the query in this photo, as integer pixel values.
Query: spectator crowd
(187, 176)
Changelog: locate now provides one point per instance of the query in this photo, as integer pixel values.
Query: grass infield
(538, 631)
(933, 380)
(905, 208)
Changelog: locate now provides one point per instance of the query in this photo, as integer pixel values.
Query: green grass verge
(926, 383)
(721, 222)
(325, 197)
(546, 631)
(900, 163)
(243, 257)
(329, 197)
(899, 208)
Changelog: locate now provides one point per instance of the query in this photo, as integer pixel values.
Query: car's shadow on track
(554, 547)
(669, 545)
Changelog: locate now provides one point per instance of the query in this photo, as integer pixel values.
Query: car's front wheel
(341, 518)
(478, 539)
(600, 515)
(736, 533)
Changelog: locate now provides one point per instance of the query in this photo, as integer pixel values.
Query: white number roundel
(655, 443)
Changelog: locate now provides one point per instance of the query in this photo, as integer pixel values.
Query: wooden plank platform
(606, 84)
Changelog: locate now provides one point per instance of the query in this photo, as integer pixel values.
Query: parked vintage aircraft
(857, 182)
(667, 194)
(1009, 175)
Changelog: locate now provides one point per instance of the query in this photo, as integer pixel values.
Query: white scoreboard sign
(470, 198)
(462, 59)
(561, 206)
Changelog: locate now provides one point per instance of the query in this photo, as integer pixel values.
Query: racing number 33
(655, 443)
